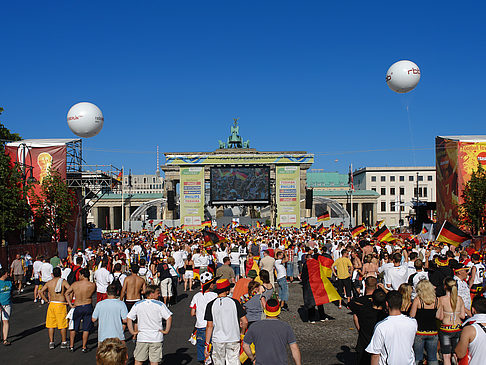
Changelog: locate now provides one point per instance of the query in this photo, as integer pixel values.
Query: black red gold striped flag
(315, 281)
(324, 217)
(424, 230)
(211, 238)
(383, 234)
(451, 234)
(207, 224)
(242, 229)
(357, 230)
(322, 229)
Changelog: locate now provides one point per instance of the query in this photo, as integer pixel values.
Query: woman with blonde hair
(424, 310)
(406, 291)
(451, 312)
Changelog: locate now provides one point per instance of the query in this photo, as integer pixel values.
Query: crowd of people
(411, 301)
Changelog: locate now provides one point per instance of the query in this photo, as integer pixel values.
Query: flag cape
(383, 234)
(316, 285)
(324, 217)
(451, 234)
(357, 230)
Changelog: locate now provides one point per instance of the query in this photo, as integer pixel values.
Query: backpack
(71, 278)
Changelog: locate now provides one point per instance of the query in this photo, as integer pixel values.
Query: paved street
(329, 342)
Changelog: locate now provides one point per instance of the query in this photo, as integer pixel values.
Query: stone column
(112, 217)
(94, 211)
(359, 218)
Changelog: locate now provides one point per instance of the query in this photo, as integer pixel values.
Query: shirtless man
(83, 290)
(56, 312)
(133, 288)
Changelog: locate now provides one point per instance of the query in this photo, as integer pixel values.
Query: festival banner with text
(192, 196)
(288, 196)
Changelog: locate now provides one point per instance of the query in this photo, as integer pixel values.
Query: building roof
(345, 193)
(394, 169)
(317, 179)
(475, 138)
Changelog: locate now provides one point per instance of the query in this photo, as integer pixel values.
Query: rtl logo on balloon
(414, 71)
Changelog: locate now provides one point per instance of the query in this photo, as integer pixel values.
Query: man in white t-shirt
(223, 316)
(198, 309)
(103, 278)
(149, 314)
(283, 286)
(37, 277)
(392, 341)
(398, 274)
(417, 276)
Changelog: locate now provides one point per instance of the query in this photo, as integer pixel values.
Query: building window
(374, 189)
(383, 206)
(410, 178)
(392, 206)
(425, 192)
(420, 178)
(383, 191)
(429, 178)
(402, 191)
(144, 180)
(383, 178)
(392, 191)
(392, 178)
(373, 178)
(402, 178)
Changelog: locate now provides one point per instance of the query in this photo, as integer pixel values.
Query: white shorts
(166, 287)
(189, 274)
(5, 311)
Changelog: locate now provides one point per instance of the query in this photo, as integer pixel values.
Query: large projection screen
(240, 185)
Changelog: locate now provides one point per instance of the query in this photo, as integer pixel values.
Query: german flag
(305, 225)
(242, 229)
(322, 229)
(258, 224)
(207, 224)
(357, 230)
(424, 230)
(324, 217)
(451, 234)
(158, 226)
(383, 234)
(316, 285)
(380, 223)
(211, 238)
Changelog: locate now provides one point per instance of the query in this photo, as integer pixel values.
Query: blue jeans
(200, 342)
(236, 269)
(429, 342)
(283, 289)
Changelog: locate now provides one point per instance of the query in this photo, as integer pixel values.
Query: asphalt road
(329, 342)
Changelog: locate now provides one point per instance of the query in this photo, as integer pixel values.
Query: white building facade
(145, 184)
(398, 188)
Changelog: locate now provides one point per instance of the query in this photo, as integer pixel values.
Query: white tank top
(478, 278)
(477, 348)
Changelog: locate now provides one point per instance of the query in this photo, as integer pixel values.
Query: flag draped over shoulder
(315, 281)
(383, 234)
(357, 230)
(451, 234)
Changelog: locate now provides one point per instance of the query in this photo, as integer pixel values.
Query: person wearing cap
(198, 309)
(460, 276)
(271, 337)
(226, 323)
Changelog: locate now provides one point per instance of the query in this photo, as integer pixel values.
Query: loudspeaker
(308, 198)
(171, 200)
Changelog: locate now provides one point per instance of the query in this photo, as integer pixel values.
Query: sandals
(6, 343)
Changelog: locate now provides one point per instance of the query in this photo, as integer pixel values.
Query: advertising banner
(192, 197)
(456, 159)
(288, 196)
(247, 158)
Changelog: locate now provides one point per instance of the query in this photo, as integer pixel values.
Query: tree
(15, 212)
(473, 209)
(53, 207)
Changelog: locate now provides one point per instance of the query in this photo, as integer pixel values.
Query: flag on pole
(383, 234)
(324, 217)
(242, 229)
(380, 223)
(211, 238)
(158, 226)
(322, 229)
(258, 224)
(357, 230)
(451, 234)
(424, 230)
(207, 224)
(351, 178)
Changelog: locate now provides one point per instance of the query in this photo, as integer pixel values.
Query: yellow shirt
(342, 266)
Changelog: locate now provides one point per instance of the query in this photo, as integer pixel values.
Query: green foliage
(53, 206)
(473, 210)
(15, 212)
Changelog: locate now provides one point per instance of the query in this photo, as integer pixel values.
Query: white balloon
(85, 119)
(403, 76)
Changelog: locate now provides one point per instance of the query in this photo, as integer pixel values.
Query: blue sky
(299, 75)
